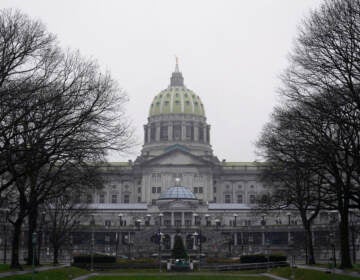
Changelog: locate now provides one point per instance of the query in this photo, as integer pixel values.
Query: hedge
(96, 259)
(262, 258)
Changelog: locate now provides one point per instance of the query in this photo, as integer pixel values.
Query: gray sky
(231, 54)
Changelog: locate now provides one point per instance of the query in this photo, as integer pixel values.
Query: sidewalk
(21, 272)
(336, 271)
(272, 276)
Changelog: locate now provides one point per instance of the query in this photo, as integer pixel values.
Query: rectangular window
(114, 198)
(139, 190)
(107, 223)
(200, 189)
(164, 133)
(189, 132)
(158, 189)
(102, 198)
(214, 199)
(153, 189)
(201, 134)
(214, 189)
(239, 198)
(139, 199)
(195, 190)
(126, 198)
(153, 201)
(227, 198)
(152, 133)
(89, 198)
(252, 199)
(177, 132)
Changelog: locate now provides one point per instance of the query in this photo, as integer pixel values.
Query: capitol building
(177, 186)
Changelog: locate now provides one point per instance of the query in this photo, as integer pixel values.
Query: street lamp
(332, 244)
(267, 244)
(137, 224)
(147, 221)
(197, 237)
(120, 219)
(160, 219)
(235, 216)
(207, 219)
(160, 235)
(43, 214)
(263, 222)
(6, 212)
(289, 217)
(195, 221)
(291, 248)
(217, 223)
(250, 241)
(33, 240)
(92, 223)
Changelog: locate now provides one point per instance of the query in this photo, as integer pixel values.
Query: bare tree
(66, 113)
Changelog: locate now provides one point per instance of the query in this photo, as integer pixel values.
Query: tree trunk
(15, 244)
(56, 254)
(32, 218)
(309, 245)
(344, 240)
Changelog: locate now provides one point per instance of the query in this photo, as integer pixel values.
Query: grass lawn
(4, 267)
(54, 274)
(307, 274)
(179, 277)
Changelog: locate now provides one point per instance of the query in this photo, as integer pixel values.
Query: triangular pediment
(177, 157)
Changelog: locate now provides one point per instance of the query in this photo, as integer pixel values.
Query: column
(172, 219)
(196, 132)
(235, 239)
(172, 240)
(148, 133)
(157, 134)
(170, 131)
(183, 131)
(182, 219)
(204, 133)
(263, 238)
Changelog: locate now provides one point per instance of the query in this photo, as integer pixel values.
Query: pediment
(177, 157)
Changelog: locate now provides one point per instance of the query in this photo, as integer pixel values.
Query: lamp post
(147, 220)
(291, 248)
(6, 212)
(196, 236)
(289, 217)
(217, 223)
(195, 215)
(160, 235)
(160, 219)
(250, 241)
(267, 244)
(120, 215)
(33, 240)
(41, 233)
(207, 219)
(263, 222)
(92, 223)
(137, 224)
(332, 244)
(235, 216)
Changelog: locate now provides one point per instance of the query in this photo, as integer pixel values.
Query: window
(200, 189)
(201, 133)
(153, 189)
(107, 223)
(195, 190)
(189, 132)
(114, 198)
(158, 189)
(239, 198)
(214, 189)
(252, 199)
(177, 132)
(153, 201)
(139, 190)
(152, 133)
(164, 132)
(102, 198)
(139, 199)
(214, 199)
(89, 198)
(126, 198)
(227, 198)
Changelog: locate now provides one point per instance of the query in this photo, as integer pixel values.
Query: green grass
(54, 274)
(307, 274)
(178, 277)
(4, 267)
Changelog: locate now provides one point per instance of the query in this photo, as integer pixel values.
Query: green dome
(176, 100)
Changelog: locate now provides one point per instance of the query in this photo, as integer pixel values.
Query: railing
(244, 266)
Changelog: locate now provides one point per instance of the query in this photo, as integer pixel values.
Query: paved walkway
(336, 271)
(21, 272)
(272, 276)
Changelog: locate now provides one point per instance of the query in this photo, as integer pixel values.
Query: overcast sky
(231, 54)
